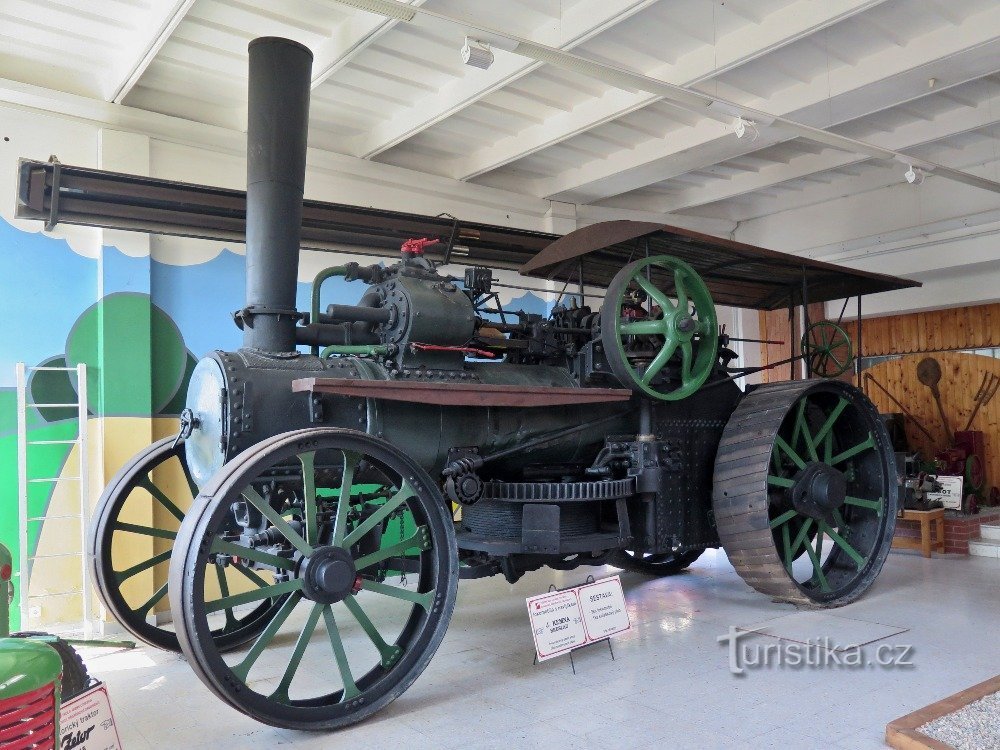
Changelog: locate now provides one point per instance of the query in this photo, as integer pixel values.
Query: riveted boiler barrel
(277, 125)
(240, 398)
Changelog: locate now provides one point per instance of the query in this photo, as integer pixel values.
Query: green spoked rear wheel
(805, 492)
(659, 328)
(130, 542)
(336, 517)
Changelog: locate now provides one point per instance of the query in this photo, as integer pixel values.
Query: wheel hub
(328, 575)
(819, 489)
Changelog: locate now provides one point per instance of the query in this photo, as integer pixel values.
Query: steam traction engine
(307, 509)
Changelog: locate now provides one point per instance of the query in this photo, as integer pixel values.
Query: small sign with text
(572, 618)
(86, 722)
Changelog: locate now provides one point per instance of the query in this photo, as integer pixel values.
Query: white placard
(951, 491)
(556, 623)
(564, 620)
(86, 722)
(603, 605)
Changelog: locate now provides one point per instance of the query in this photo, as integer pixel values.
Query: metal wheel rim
(399, 660)
(107, 526)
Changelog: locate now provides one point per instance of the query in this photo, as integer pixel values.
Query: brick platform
(958, 529)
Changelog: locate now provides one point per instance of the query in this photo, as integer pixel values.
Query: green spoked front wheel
(659, 328)
(358, 539)
(805, 492)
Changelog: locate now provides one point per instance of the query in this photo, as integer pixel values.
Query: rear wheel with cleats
(805, 492)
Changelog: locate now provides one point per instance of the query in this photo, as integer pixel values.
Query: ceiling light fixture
(477, 54)
(914, 175)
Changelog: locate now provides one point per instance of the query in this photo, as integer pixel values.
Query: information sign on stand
(567, 619)
(86, 722)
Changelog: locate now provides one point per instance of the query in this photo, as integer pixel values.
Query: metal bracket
(53, 219)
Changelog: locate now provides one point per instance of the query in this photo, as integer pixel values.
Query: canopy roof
(737, 274)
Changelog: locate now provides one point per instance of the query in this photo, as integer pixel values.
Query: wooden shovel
(929, 373)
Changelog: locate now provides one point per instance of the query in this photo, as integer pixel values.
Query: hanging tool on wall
(929, 373)
(869, 378)
(987, 390)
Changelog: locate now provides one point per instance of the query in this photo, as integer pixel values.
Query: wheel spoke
(801, 425)
(800, 538)
(124, 575)
(680, 291)
(779, 442)
(390, 654)
(424, 600)
(655, 294)
(161, 498)
(785, 517)
(659, 360)
(250, 575)
(133, 528)
(844, 545)
(221, 546)
(779, 481)
(831, 420)
(405, 492)
(643, 327)
(350, 689)
(351, 460)
(687, 357)
(309, 495)
(817, 567)
(224, 589)
(266, 592)
(281, 692)
(839, 519)
(143, 610)
(421, 539)
(277, 521)
(876, 505)
(864, 445)
(242, 669)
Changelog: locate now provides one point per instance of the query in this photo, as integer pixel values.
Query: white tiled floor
(669, 686)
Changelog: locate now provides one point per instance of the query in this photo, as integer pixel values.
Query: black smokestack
(278, 121)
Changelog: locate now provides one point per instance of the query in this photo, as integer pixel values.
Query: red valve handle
(416, 246)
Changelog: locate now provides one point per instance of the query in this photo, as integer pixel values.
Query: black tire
(101, 541)
(75, 677)
(421, 629)
(666, 564)
(756, 483)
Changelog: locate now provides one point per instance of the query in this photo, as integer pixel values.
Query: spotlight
(914, 175)
(477, 54)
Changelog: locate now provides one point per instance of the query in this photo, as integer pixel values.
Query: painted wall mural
(139, 325)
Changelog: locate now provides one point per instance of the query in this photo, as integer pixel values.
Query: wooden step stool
(927, 518)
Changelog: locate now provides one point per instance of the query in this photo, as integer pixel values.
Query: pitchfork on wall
(987, 390)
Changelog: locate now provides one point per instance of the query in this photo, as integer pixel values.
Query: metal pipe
(277, 125)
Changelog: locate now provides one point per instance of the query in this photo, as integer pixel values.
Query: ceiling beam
(908, 136)
(951, 55)
(354, 34)
(142, 47)
(582, 21)
(748, 43)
